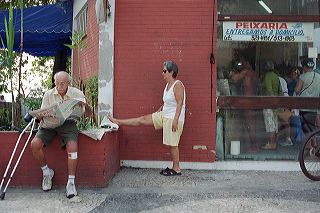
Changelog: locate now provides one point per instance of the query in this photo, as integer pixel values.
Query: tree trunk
(18, 106)
(60, 64)
(12, 106)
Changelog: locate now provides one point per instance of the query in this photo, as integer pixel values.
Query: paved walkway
(144, 190)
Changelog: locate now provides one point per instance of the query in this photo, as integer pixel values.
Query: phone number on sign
(272, 38)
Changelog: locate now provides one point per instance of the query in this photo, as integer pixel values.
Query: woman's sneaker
(71, 190)
(47, 181)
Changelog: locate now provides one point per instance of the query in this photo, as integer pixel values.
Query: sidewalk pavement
(145, 190)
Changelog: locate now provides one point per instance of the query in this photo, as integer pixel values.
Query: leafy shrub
(5, 123)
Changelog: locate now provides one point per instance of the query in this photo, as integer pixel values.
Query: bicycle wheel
(309, 156)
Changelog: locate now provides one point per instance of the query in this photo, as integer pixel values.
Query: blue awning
(46, 28)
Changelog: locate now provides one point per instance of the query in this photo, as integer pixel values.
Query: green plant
(32, 103)
(78, 43)
(85, 124)
(91, 91)
(4, 118)
(18, 100)
(9, 55)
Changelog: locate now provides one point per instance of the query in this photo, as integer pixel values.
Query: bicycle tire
(309, 156)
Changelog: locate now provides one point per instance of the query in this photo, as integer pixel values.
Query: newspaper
(95, 133)
(56, 115)
(70, 109)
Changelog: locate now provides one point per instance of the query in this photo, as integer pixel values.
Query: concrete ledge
(221, 165)
(98, 161)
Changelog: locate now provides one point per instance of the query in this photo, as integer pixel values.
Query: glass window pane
(81, 19)
(283, 7)
(253, 56)
(263, 134)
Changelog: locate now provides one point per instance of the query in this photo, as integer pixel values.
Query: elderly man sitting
(68, 132)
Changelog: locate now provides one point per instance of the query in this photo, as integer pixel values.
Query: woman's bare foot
(113, 120)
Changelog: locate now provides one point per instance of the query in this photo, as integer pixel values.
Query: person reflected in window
(308, 86)
(295, 73)
(2, 98)
(271, 85)
(249, 79)
(284, 115)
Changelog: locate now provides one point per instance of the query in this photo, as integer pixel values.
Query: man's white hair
(69, 77)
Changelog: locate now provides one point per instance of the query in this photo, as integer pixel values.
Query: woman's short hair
(297, 70)
(171, 66)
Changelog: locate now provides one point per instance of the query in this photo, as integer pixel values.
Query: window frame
(81, 20)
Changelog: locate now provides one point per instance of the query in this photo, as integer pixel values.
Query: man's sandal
(170, 172)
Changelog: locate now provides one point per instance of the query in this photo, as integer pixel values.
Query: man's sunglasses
(165, 71)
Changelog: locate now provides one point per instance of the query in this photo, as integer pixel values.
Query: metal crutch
(12, 155)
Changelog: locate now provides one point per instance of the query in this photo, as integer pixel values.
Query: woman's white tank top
(170, 103)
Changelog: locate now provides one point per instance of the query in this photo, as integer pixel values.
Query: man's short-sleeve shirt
(271, 83)
(311, 84)
(52, 96)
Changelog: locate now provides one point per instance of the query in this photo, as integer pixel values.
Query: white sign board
(268, 31)
(312, 52)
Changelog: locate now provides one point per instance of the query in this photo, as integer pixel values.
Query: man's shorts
(170, 138)
(270, 120)
(68, 131)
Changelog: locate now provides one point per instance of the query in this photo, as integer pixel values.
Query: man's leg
(145, 120)
(284, 118)
(273, 140)
(175, 158)
(318, 120)
(250, 118)
(72, 151)
(38, 153)
(271, 123)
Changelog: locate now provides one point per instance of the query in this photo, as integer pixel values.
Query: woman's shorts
(67, 131)
(170, 138)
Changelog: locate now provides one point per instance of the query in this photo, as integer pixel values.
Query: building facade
(205, 37)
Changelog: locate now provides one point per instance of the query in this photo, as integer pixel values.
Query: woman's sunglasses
(165, 71)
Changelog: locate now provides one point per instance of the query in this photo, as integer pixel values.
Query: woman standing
(295, 73)
(169, 117)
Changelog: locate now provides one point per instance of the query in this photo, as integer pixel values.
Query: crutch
(32, 122)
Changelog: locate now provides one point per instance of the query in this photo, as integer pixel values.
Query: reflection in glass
(285, 55)
(283, 7)
(290, 130)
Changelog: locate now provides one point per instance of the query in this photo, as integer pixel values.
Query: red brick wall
(146, 34)
(98, 161)
(89, 57)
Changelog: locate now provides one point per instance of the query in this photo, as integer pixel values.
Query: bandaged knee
(73, 155)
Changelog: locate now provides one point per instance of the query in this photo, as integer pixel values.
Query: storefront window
(283, 7)
(248, 135)
(285, 56)
(255, 44)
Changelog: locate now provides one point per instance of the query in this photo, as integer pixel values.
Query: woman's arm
(179, 95)
(298, 87)
(160, 109)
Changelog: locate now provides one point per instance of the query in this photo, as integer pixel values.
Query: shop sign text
(268, 31)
